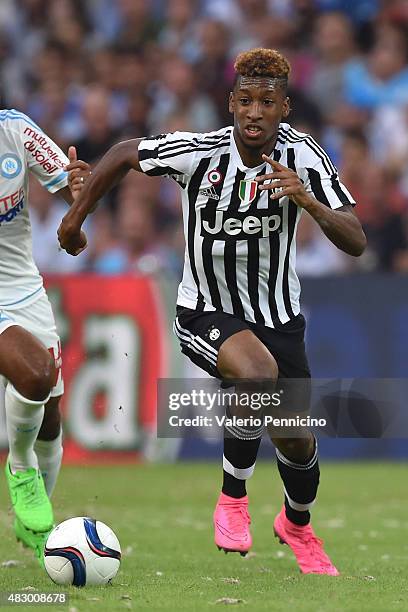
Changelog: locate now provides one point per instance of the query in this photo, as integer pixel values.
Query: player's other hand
(78, 172)
(71, 238)
(283, 182)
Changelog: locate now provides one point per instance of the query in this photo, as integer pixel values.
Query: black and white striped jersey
(240, 245)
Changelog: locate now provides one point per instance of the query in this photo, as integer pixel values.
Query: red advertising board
(114, 339)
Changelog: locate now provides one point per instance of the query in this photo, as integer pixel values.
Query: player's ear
(231, 102)
(286, 107)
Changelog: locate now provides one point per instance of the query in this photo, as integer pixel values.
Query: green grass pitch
(163, 517)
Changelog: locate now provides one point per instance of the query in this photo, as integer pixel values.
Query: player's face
(257, 113)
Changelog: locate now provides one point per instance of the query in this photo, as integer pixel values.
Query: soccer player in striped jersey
(30, 349)
(243, 190)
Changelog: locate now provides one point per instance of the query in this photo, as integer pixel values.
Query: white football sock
(49, 454)
(23, 419)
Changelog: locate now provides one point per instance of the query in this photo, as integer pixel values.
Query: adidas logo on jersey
(240, 228)
(210, 193)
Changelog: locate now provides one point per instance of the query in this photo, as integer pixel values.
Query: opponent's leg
(29, 368)
(298, 466)
(48, 446)
(241, 357)
(23, 418)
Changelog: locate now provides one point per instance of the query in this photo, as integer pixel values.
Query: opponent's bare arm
(115, 164)
(341, 225)
(78, 172)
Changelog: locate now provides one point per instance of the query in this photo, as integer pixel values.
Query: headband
(263, 81)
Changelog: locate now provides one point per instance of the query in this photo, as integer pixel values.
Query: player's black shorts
(201, 335)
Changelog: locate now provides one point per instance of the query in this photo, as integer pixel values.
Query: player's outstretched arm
(340, 225)
(115, 164)
(79, 171)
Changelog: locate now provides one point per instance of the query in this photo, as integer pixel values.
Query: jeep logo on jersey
(247, 191)
(242, 226)
(10, 166)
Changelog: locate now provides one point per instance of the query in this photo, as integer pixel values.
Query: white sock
(23, 419)
(49, 454)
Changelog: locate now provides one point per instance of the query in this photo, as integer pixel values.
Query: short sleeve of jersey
(44, 158)
(172, 155)
(321, 178)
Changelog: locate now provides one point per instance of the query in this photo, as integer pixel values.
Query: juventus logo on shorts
(213, 333)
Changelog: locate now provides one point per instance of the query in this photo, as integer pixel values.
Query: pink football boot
(308, 548)
(231, 524)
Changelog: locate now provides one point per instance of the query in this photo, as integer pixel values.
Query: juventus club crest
(247, 191)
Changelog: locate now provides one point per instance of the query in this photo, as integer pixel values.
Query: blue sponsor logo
(13, 212)
(10, 166)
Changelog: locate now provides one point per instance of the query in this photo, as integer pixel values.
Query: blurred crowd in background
(94, 72)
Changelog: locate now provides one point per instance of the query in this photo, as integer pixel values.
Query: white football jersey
(240, 245)
(23, 147)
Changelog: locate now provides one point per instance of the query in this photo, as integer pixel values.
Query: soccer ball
(82, 551)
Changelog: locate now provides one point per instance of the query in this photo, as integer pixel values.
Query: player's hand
(283, 182)
(71, 238)
(78, 172)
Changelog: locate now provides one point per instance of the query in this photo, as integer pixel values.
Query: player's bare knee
(39, 378)
(262, 368)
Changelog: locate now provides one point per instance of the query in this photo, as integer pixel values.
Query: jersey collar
(237, 157)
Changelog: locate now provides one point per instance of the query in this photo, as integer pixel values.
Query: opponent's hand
(78, 172)
(284, 179)
(70, 236)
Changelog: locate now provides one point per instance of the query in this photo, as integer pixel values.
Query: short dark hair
(262, 63)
